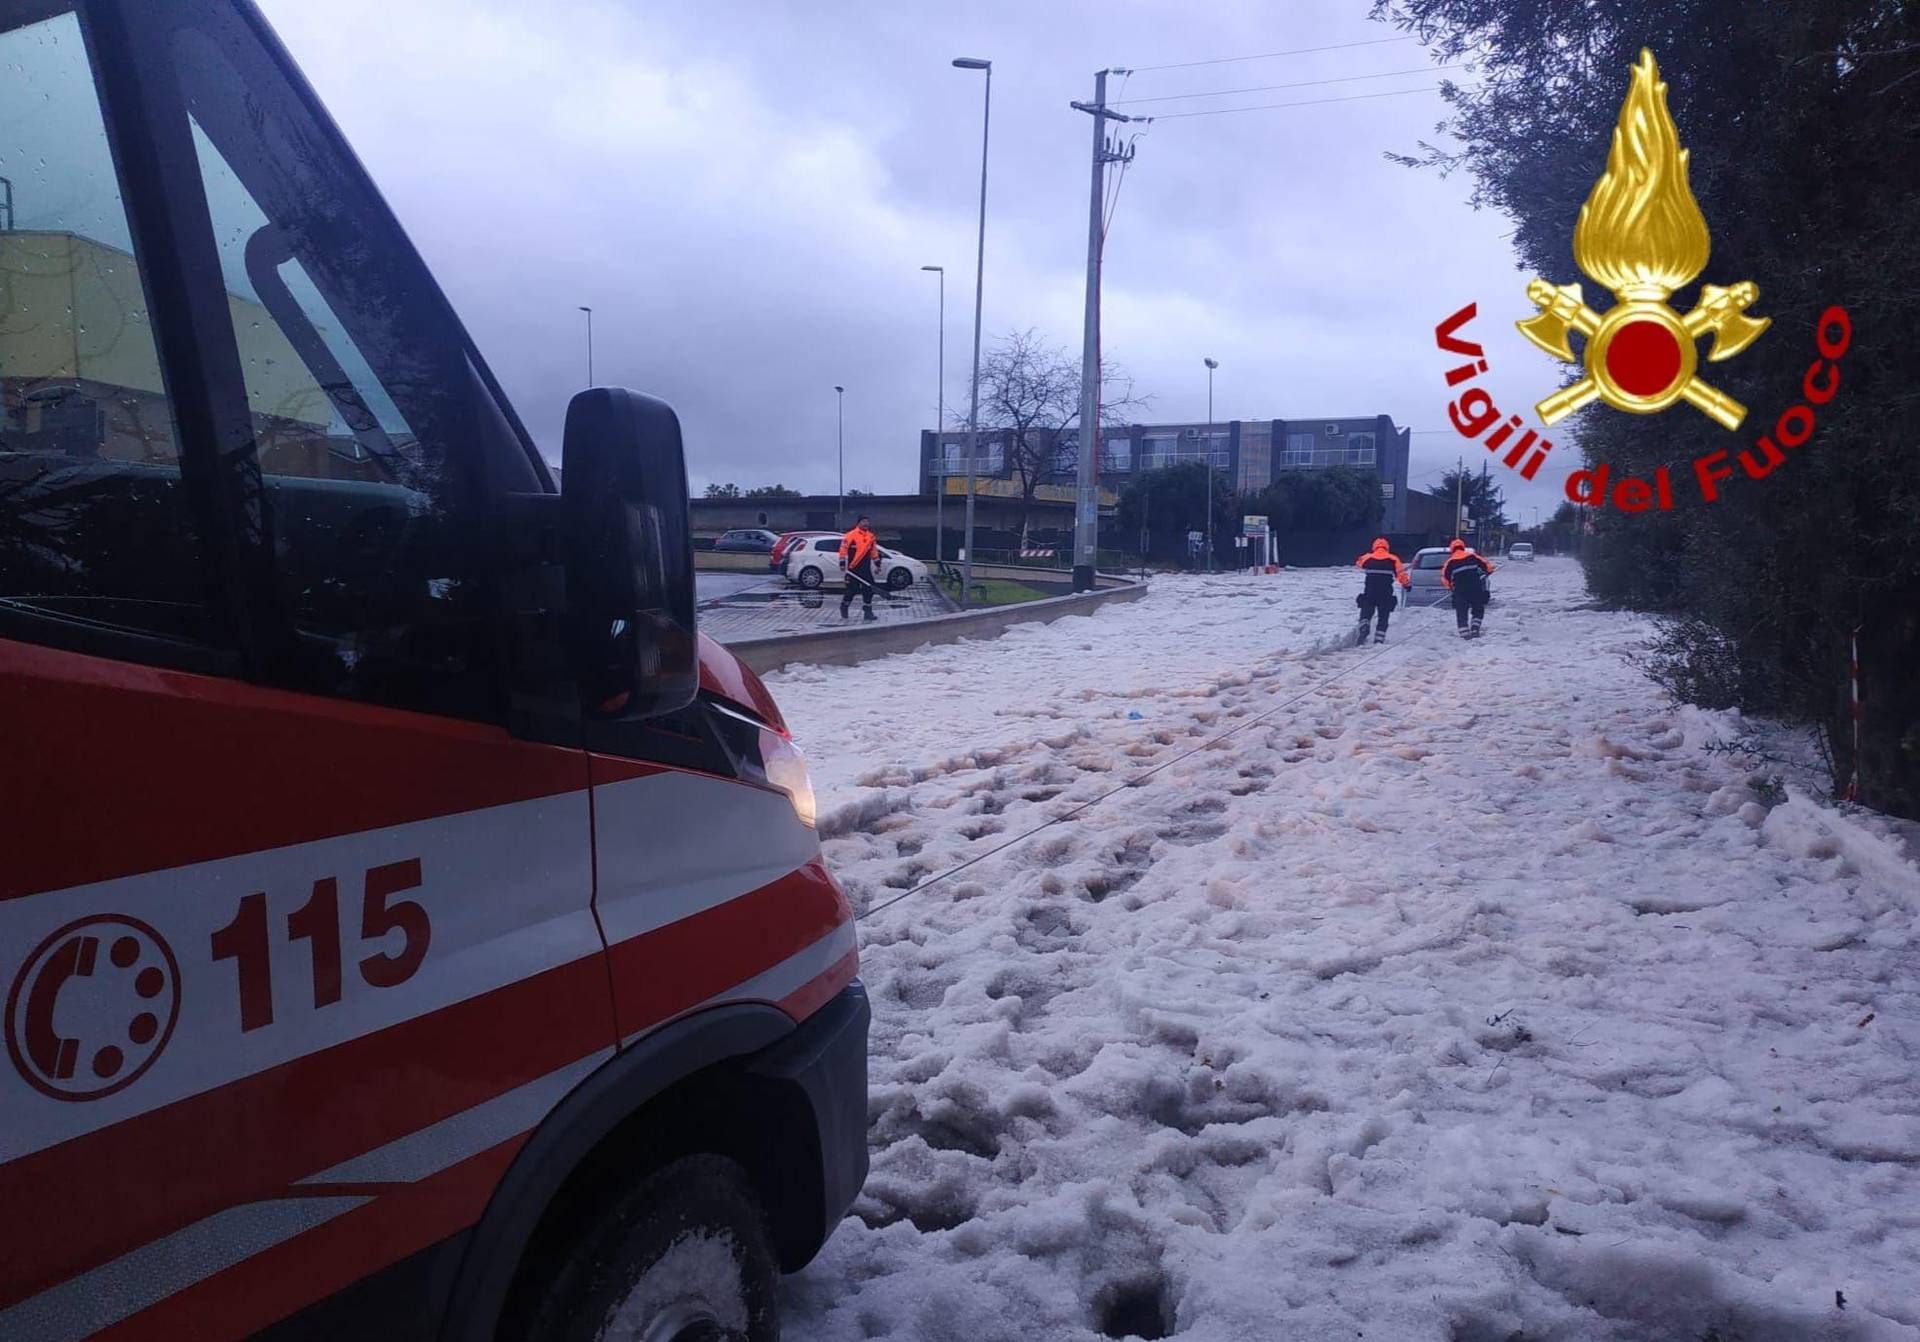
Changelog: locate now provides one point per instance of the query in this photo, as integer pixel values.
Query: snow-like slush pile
(1467, 998)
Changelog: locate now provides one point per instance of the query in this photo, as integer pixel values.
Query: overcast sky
(745, 193)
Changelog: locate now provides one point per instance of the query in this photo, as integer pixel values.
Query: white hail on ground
(1468, 997)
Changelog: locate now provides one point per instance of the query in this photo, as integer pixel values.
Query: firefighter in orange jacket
(1465, 574)
(1382, 567)
(858, 550)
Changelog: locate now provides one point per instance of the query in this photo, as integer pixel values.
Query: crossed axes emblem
(1655, 366)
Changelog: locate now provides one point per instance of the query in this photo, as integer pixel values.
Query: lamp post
(979, 278)
(1211, 365)
(589, 312)
(840, 408)
(939, 428)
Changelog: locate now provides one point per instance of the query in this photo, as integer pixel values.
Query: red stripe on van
(817, 992)
(112, 769)
(247, 1141)
(671, 968)
(287, 1277)
(125, 1185)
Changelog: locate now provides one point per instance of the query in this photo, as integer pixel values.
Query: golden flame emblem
(1642, 236)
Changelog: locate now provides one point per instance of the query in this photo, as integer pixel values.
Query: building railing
(1150, 461)
(1309, 458)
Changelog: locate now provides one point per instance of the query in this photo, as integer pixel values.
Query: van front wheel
(681, 1257)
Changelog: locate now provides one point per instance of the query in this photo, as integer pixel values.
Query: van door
(296, 936)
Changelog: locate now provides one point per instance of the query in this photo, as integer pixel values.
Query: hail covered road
(1468, 997)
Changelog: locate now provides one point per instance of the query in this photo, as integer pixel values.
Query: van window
(1431, 559)
(375, 437)
(94, 527)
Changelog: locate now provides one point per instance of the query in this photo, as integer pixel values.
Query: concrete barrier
(844, 647)
(727, 561)
(1029, 573)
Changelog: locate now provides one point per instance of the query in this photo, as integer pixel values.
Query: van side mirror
(629, 555)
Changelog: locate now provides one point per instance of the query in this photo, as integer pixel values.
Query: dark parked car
(749, 540)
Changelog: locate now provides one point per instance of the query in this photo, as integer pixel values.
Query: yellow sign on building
(994, 488)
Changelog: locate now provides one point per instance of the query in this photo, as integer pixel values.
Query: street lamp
(939, 428)
(840, 407)
(589, 312)
(1211, 365)
(979, 277)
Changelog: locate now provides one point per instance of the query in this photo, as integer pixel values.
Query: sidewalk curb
(846, 647)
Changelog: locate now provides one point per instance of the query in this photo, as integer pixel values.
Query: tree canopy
(1803, 125)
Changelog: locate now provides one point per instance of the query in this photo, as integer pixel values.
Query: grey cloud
(745, 192)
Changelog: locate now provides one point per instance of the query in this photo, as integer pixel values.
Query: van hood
(727, 677)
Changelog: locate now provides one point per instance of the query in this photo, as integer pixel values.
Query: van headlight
(787, 770)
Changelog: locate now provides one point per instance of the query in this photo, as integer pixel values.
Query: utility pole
(939, 431)
(589, 312)
(1211, 365)
(1086, 521)
(1485, 518)
(1459, 491)
(840, 436)
(979, 290)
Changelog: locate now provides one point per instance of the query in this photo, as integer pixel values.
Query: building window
(1306, 451)
(1064, 460)
(1116, 455)
(1173, 449)
(1256, 456)
(991, 460)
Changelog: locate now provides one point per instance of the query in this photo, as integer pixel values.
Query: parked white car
(1521, 550)
(815, 562)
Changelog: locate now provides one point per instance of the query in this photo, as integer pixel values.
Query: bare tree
(1030, 391)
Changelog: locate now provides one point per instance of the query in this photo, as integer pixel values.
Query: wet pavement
(767, 608)
(712, 586)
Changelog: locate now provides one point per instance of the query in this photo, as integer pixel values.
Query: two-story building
(1251, 454)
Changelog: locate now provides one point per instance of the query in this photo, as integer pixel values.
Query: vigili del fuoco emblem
(1641, 235)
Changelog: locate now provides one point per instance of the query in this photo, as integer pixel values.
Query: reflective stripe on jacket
(858, 546)
(1382, 561)
(1476, 568)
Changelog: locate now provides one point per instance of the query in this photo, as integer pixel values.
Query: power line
(1299, 84)
(1305, 102)
(1119, 179)
(1268, 55)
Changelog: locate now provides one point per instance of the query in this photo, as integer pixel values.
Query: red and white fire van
(409, 925)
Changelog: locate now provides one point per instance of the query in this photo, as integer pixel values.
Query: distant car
(746, 540)
(777, 561)
(815, 562)
(1427, 589)
(1521, 551)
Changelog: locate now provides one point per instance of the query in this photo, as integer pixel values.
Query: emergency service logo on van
(93, 1007)
(1641, 234)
